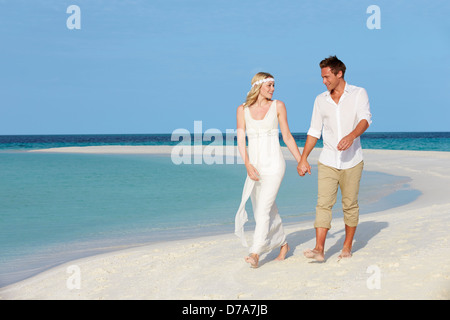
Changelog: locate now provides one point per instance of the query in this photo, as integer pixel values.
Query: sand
(400, 253)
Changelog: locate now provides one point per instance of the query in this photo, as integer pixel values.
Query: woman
(259, 117)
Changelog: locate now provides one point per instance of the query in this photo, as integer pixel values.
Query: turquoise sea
(58, 207)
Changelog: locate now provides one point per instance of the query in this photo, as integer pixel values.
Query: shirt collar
(347, 89)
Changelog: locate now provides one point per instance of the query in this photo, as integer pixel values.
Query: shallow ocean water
(58, 207)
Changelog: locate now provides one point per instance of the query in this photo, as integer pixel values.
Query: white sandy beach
(400, 253)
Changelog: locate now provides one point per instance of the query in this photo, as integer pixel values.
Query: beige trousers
(329, 179)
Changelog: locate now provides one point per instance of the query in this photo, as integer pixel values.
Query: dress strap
(274, 105)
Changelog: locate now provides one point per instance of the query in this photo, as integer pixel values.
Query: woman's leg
(269, 231)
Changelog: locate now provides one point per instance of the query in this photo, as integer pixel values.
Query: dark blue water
(424, 141)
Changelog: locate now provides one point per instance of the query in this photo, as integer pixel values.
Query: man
(341, 114)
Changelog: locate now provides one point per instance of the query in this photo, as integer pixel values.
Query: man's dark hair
(334, 64)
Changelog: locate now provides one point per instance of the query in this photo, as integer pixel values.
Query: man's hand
(303, 167)
(346, 142)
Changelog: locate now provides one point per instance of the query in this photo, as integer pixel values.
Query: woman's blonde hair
(252, 95)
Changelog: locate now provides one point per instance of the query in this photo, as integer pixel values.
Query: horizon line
(87, 134)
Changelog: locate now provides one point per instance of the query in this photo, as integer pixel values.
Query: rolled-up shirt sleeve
(363, 107)
(315, 129)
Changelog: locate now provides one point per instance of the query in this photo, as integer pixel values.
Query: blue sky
(155, 66)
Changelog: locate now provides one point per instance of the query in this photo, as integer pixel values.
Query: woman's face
(267, 89)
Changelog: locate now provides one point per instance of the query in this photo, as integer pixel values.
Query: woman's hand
(252, 172)
(303, 167)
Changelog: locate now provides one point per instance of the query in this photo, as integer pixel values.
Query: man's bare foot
(345, 253)
(253, 259)
(314, 254)
(283, 251)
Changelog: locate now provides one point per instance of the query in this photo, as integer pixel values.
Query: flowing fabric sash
(241, 215)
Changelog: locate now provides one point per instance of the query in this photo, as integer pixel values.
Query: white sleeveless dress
(265, 155)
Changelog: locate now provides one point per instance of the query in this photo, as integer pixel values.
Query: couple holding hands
(340, 115)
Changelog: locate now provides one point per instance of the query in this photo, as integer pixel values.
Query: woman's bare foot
(314, 254)
(253, 259)
(283, 251)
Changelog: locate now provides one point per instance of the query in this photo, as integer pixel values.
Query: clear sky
(152, 66)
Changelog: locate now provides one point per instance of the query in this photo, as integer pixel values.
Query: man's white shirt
(335, 121)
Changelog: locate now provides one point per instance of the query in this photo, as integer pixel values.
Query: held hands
(303, 167)
(252, 172)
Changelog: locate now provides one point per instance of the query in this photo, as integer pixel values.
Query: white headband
(262, 81)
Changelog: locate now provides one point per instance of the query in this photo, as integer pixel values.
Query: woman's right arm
(240, 120)
(303, 166)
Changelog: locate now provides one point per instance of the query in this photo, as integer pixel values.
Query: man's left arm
(347, 141)
(364, 117)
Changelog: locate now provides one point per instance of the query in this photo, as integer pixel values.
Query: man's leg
(349, 184)
(347, 247)
(321, 236)
(318, 253)
(328, 180)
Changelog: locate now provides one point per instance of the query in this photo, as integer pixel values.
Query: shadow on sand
(364, 233)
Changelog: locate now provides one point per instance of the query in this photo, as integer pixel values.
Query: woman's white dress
(265, 155)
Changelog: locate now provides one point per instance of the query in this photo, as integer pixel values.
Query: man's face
(330, 80)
